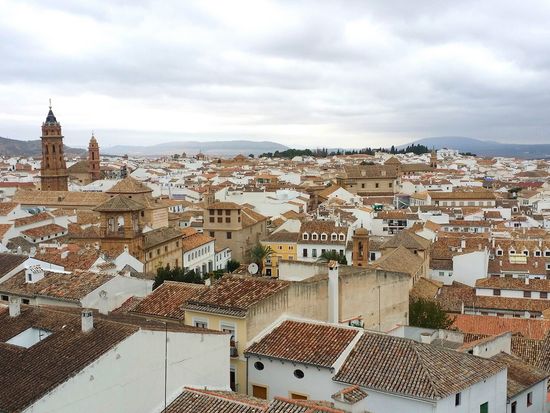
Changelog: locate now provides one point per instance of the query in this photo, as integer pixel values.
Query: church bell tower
(53, 170)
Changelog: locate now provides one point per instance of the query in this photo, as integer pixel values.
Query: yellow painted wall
(281, 251)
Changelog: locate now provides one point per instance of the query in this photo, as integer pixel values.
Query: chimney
(103, 302)
(333, 307)
(493, 242)
(536, 264)
(15, 306)
(64, 254)
(526, 280)
(87, 319)
(462, 243)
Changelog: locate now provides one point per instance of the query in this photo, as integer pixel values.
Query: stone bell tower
(93, 159)
(53, 170)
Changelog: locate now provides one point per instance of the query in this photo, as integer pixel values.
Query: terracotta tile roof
(69, 258)
(464, 195)
(508, 283)
(507, 303)
(399, 259)
(10, 261)
(21, 369)
(194, 241)
(4, 228)
(7, 207)
(224, 205)
(234, 295)
(490, 325)
(206, 401)
(33, 219)
(68, 287)
(451, 297)
(316, 344)
(129, 185)
(521, 376)
(282, 236)
(420, 370)
(425, 288)
(284, 405)
(370, 171)
(251, 217)
(159, 236)
(44, 231)
(60, 198)
(119, 203)
(350, 395)
(408, 240)
(168, 299)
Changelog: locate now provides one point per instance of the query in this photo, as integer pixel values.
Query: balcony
(233, 349)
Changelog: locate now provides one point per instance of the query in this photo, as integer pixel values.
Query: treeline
(324, 152)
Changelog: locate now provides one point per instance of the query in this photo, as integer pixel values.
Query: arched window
(314, 236)
(305, 236)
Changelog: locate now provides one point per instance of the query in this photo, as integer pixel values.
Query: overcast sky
(302, 73)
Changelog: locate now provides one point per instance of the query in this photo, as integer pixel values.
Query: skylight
(29, 337)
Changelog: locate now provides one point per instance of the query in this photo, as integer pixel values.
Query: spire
(50, 119)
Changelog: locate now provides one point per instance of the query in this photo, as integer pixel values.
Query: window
(4, 298)
(390, 184)
(297, 396)
(441, 273)
(212, 233)
(166, 248)
(499, 253)
(220, 220)
(304, 252)
(200, 323)
(305, 236)
(529, 398)
(259, 365)
(228, 220)
(26, 301)
(547, 253)
(211, 211)
(323, 237)
(227, 212)
(314, 236)
(514, 408)
(527, 294)
(543, 294)
(484, 408)
(526, 253)
(299, 374)
(314, 252)
(496, 292)
(333, 237)
(538, 253)
(457, 399)
(228, 234)
(342, 237)
(212, 220)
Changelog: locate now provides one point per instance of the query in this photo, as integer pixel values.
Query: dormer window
(305, 236)
(342, 237)
(512, 252)
(314, 236)
(526, 253)
(334, 236)
(538, 253)
(323, 237)
(499, 252)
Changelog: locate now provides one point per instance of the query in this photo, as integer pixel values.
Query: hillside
(14, 147)
(222, 148)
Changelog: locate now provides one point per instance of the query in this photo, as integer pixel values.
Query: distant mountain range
(486, 148)
(222, 148)
(14, 147)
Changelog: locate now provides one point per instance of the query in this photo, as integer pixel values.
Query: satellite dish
(253, 268)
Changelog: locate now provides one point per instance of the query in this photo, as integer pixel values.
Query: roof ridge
(426, 371)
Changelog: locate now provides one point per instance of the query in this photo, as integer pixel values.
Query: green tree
(428, 314)
(176, 274)
(232, 265)
(259, 253)
(333, 256)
